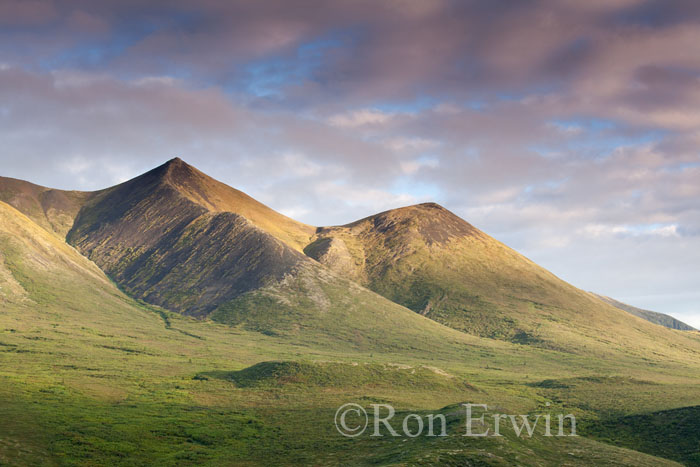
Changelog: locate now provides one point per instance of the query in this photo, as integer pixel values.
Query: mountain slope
(651, 316)
(38, 268)
(161, 238)
(54, 210)
(431, 261)
(217, 197)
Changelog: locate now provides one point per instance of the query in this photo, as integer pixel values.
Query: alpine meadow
(394, 233)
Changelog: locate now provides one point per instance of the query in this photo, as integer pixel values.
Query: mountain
(428, 259)
(165, 237)
(176, 238)
(651, 316)
(39, 270)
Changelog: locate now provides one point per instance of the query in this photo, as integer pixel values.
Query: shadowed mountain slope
(164, 238)
(651, 316)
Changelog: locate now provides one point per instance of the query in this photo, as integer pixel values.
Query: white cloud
(361, 196)
(359, 118)
(600, 230)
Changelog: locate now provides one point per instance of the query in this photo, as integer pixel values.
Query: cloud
(568, 129)
(411, 144)
(26, 12)
(358, 118)
(600, 230)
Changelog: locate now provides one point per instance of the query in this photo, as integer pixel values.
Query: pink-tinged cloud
(567, 128)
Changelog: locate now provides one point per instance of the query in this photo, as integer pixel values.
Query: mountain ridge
(50, 208)
(216, 196)
(179, 239)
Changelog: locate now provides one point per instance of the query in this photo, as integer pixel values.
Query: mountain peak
(176, 162)
(182, 174)
(434, 223)
(181, 181)
(174, 170)
(171, 164)
(430, 205)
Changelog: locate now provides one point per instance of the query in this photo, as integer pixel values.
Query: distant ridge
(651, 316)
(54, 210)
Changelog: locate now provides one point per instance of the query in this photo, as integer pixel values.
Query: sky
(567, 129)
